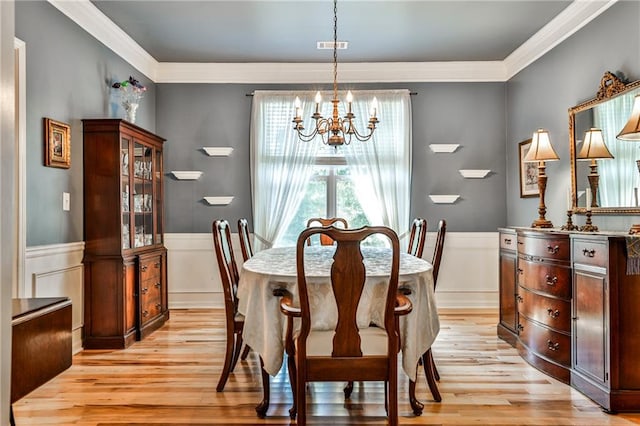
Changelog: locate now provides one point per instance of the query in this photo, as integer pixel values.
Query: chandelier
(335, 130)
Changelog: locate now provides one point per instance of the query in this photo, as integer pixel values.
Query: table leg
(429, 372)
(416, 405)
(261, 409)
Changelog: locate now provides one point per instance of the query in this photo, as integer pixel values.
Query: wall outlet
(66, 201)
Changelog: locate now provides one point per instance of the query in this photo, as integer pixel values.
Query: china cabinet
(508, 313)
(125, 260)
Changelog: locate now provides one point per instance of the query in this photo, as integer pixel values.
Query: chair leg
(301, 403)
(245, 352)
(291, 366)
(261, 409)
(430, 375)
(416, 405)
(236, 350)
(228, 362)
(433, 363)
(348, 389)
(393, 400)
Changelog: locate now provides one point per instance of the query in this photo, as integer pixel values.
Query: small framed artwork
(528, 173)
(57, 144)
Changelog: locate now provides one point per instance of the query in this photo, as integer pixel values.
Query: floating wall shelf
(444, 199)
(218, 201)
(186, 175)
(443, 147)
(218, 151)
(474, 174)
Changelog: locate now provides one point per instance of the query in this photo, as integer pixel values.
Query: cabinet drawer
(150, 300)
(508, 241)
(554, 313)
(545, 278)
(550, 247)
(545, 342)
(150, 268)
(590, 253)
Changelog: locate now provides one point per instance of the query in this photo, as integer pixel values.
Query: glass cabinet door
(125, 172)
(143, 195)
(158, 172)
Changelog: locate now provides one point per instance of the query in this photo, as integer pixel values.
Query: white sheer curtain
(280, 163)
(381, 167)
(618, 177)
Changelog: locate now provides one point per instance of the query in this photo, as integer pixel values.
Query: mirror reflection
(616, 183)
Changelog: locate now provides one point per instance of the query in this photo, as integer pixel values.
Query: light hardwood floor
(170, 379)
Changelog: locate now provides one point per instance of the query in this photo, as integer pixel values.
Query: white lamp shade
(631, 130)
(593, 146)
(541, 148)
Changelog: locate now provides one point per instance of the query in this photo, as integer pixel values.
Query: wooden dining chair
(245, 240)
(333, 221)
(427, 361)
(346, 353)
(229, 277)
(417, 237)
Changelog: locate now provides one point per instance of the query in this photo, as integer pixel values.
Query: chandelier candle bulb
(374, 107)
(349, 100)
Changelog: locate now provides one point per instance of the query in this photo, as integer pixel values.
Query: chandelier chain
(335, 49)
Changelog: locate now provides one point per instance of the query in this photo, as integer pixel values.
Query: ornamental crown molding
(91, 19)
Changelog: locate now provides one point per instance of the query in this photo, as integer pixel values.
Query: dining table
(270, 270)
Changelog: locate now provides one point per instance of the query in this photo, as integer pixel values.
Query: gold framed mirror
(618, 182)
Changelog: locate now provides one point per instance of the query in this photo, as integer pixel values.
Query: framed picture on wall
(528, 173)
(57, 144)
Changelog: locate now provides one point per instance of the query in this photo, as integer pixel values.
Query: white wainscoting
(468, 275)
(56, 271)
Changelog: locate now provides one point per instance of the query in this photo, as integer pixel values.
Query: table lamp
(541, 151)
(594, 148)
(631, 132)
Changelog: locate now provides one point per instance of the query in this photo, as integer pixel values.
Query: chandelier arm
(307, 137)
(362, 137)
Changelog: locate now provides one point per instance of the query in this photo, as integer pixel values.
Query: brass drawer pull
(552, 313)
(520, 271)
(520, 327)
(507, 241)
(158, 306)
(144, 267)
(158, 284)
(145, 313)
(551, 280)
(157, 264)
(553, 346)
(588, 253)
(519, 299)
(553, 250)
(144, 290)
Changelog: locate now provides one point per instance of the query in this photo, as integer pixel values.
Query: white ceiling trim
(90, 18)
(96, 23)
(569, 21)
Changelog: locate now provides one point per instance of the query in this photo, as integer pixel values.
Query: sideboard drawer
(555, 313)
(545, 342)
(590, 253)
(546, 278)
(508, 241)
(548, 247)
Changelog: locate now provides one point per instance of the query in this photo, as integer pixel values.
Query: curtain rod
(410, 93)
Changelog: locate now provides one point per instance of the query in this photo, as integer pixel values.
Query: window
(364, 182)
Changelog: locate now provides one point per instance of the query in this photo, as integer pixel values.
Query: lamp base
(542, 223)
(635, 229)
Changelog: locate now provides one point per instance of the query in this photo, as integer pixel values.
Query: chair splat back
(348, 275)
(417, 237)
(245, 241)
(333, 221)
(226, 264)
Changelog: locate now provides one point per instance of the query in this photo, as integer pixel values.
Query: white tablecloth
(265, 325)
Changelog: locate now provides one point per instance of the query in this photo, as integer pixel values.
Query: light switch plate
(66, 201)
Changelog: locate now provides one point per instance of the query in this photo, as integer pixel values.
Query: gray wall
(192, 116)
(540, 96)
(69, 74)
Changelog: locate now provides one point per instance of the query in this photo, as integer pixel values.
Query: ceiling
(269, 41)
(243, 31)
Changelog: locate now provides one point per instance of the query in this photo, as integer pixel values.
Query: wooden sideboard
(576, 315)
